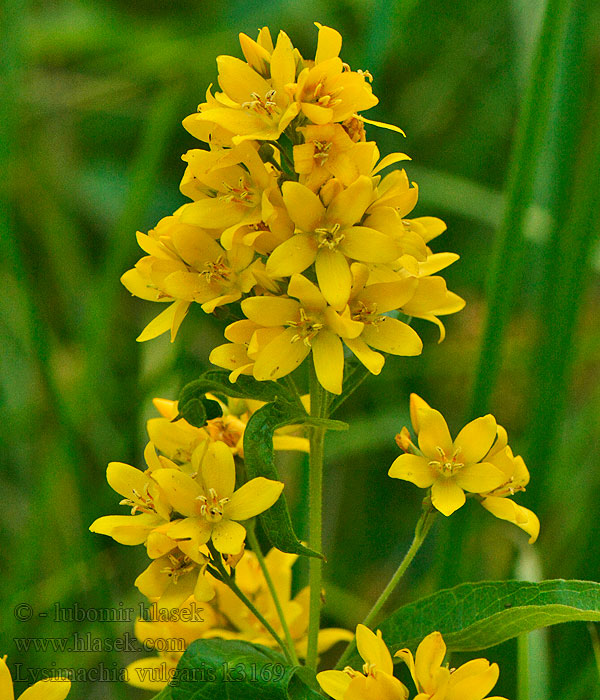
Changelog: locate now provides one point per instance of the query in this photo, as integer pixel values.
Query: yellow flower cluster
(478, 461)
(226, 617)
(432, 679)
(186, 497)
(291, 217)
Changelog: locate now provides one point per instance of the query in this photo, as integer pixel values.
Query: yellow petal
(474, 687)
(47, 689)
(152, 673)
(506, 509)
(447, 496)
(239, 80)
(281, 356)
(159, 325)
(228, 537)
(330, 636)
(328, 356)
(393, 336)
(333, 275)
(253, 498)
(126, 529)
(180, 489)
(428, 659)
(6, 684)
(283, 64)
(390, 159)
(350, 204)
(303, 205)
(292, 256)
(317, 114)
(414, 469)
(329, 43)
(433, 433)
(270, 311)
(307, 292)
(211, 213)
(476, 438)
(334, 683)
(383, 125)
(139, 285)
(369, 245)
(372, 360)
(218, 470)
(373, 650)
(416, 403)
(479, 478)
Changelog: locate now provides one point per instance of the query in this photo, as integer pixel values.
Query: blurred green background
(92, 98)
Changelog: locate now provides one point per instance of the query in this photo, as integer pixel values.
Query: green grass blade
(508, 249)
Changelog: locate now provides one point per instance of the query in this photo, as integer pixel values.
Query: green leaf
(217, 381)
(258, 456)
(354, 376)
(223, 669)
(475, 616)
(198, 410)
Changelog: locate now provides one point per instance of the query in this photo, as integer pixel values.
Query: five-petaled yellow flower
(471, 681)
(376, 682)
(449, 467)
(210, 505)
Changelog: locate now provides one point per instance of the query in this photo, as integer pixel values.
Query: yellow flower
(142, 494)
(324, 154)
(471, 681)
(170, 635)
(281, 332)
(516, 478)
(174, 577)
(228, 618)
(47, 689)
(376, 682)
(210, 506)
(449, 467)
(328, 91)
(327, 236)
(177, 439)
(256, 102)
(368, 304)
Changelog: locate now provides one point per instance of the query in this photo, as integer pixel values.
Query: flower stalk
(318, 408)
(421, 531)
(253, 540)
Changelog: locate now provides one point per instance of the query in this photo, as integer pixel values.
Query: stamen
(329, 237)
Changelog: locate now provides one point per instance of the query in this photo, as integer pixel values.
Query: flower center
(307, 328)
(367, 314)
(329, 237)
(216, 271)
(143, 502)
(322, 149)
(226, 429)
(180, 565)
(212, 506)
(326, 98)
(447, 465)
(242, 194)
(266, 105)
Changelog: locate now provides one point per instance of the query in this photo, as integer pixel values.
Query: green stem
(253, 540)
(318, 404)
(523, 667)
(230, 581)
(421, 530)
